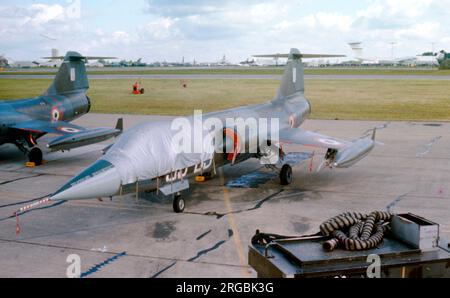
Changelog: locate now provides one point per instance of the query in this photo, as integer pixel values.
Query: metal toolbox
(416, 231)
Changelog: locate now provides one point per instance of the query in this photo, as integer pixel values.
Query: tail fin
(119, 125)
(357, 50)
(71, 76)
(293, 80)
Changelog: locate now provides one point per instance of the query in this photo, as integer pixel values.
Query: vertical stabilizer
(71, 76)
(293, 80)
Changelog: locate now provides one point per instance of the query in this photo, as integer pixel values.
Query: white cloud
(325, 20)
(40, 14)
(408, 8)
(162, 28)
(205, 29)
(421, 31)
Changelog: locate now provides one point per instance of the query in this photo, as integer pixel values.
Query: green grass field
(425, 100)
(246, 71)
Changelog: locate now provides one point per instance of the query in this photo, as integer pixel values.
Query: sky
(205, 30)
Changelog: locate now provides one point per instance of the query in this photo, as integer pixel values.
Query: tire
(286, 176)
(179, 204)
(35, 156)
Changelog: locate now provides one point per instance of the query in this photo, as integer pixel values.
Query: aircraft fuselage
(47, 108)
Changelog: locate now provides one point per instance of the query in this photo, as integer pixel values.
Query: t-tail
(72, 75)
(293, 80)
(292, 87)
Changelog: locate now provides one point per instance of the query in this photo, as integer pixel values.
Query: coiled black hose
(363, 231)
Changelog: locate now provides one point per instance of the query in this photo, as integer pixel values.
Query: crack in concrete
(257, 206)
(163, 270)
(200, 253)
(97, 267)
(206, 251)
(203, 235)
(397, 200)
(19, 179)
(428, 147)
(110, 253)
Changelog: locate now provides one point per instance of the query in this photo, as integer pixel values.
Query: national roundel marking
(330, 142)
(56, 114)
(68, 129)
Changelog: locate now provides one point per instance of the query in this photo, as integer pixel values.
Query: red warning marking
(17, 224)
(26, 208)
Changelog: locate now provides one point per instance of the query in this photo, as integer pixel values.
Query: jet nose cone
(99, 180)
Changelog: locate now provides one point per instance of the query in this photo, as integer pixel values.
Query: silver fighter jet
(146, 158)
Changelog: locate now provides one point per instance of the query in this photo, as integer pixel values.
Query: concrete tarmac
(140, 236)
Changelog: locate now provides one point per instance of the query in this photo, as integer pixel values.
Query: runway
(141, 237)
(237, 77)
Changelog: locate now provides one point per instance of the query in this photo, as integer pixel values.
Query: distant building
(24, 64)
(3, 62)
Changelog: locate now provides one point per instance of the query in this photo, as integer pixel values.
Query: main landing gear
(35, 156)
(285, 173)
(178, 203)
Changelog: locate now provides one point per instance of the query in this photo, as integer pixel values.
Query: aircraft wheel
(179, 204)
(35, 156)
(286, 176)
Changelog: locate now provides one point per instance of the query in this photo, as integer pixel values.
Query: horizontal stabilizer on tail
(299, 56)
(71, 76)
(293, 80)
(76, 57)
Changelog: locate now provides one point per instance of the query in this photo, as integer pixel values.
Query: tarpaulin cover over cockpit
(148, 151)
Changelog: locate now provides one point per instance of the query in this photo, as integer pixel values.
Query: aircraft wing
(71, 136)
(57, 127)
(312, 139)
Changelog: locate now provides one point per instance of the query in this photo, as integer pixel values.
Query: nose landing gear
(286, 176)
(178, 204)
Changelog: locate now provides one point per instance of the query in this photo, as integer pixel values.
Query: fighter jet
(145, 157)
(24, 121)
